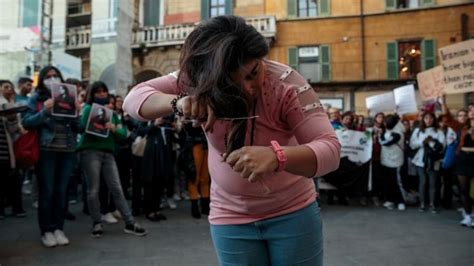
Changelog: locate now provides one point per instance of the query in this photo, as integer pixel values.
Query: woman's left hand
(252, 162)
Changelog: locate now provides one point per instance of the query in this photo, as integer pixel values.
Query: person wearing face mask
(98, 162)
(57, 141)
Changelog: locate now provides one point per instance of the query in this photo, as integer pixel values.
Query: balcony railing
(78, 38)
(176, 34)
(104, 27)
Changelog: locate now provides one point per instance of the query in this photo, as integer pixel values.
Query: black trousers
(391, 189)
(10, 188)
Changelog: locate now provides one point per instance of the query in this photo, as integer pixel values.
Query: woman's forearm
(156, 105)
(300, 160)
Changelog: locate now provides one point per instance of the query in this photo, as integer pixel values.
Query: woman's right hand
(195, 110)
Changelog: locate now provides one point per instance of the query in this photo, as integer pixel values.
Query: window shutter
(324, 7)
(152, 13)
(30, 13)
(428, 54)
(392, 60)
(204, 9)
(293, 57)
(228, 7)
(325, 60)
(292, 9)
(427, 2)
(390, 4)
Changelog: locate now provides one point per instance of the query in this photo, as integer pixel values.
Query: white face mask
(53, 80)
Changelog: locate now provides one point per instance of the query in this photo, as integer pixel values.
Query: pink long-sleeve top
(288, 111)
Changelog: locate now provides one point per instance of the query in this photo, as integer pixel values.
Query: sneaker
(135, 229)
(19, 213)
(109, 218)
(376, 201)
(49, 240)
(422, 208)
(163, 203)
(467, 221)
(388, 205)
(176, 197)
(433, 210)
(401, 207)
(184, 196)
(61, 238)
(172, 204)
(97, 230)
(117, 215)
(35, 205)
(72, 201)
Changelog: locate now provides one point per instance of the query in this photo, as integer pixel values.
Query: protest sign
(431, 83)
(405, 99)
(457, 61)
(99, 116)
(380, 103)
(64, 96)
(356, 145)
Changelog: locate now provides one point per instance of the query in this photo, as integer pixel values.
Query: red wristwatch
(280, 154)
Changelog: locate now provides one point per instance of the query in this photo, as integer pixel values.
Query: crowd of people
(135, 161)
(427, 161)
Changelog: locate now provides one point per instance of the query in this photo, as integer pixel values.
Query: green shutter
(292, 9)
(390, 4)
(428, 54)
(324, 8)
(325, 60)
(151, 16)
(204, 9)
(392, 60)
(30, 13)
(293, 57)
(228, 7)
(427, 2)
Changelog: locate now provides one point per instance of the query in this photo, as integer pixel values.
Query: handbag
(138, 146)
(26, 147)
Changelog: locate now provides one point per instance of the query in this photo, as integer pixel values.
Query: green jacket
(91, 142)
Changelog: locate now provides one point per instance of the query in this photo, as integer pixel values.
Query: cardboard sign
(99, 116)
(64, 97)
(431, 83)
(457, 61)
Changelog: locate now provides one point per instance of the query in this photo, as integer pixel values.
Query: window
(401, 4)
(312, 62)
(114, 7)
(308, 63)
(307, 8)
(212, 8)
(408, 58)
(151, 12)
(217, 8)
(29, 13)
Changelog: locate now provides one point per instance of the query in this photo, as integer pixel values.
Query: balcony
(103, 28)
(168, 35)
(78, 38)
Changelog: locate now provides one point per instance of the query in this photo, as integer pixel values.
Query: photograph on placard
(99, 116)
(64, 96)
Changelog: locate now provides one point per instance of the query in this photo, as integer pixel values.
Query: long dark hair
(42, 90)
(423, 125)
(94, 88)
(211, 53)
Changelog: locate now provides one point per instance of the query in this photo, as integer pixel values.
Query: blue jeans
(291, 239)
(97, 164)
(54, 170)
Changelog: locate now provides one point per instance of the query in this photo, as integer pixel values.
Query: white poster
(458, 67)
(405, 99)
(380, 103)
(356, 145)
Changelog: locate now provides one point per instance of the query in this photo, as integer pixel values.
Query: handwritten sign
(457, 61)
(380, 103)
(431, 83)
(405, 99)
